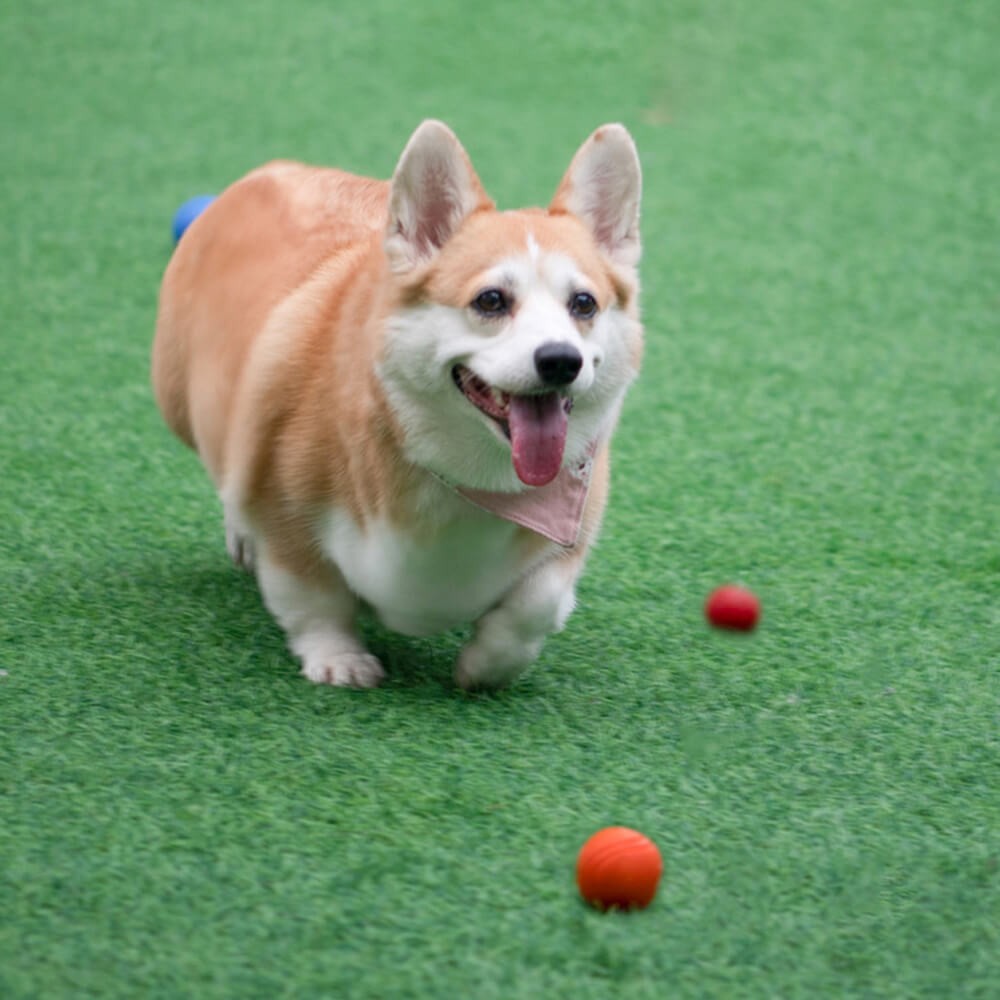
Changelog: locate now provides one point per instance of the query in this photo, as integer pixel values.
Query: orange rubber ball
(618, 867)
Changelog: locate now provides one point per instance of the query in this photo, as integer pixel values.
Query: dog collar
(554, 510)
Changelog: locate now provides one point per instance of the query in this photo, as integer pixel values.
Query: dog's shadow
(203, 614)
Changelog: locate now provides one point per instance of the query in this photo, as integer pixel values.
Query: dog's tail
(190, 211)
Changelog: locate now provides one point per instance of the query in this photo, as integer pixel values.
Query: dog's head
(515, 334)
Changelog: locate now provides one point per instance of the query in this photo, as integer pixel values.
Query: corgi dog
(404, 397)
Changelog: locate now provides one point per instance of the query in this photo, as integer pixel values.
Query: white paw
(477, 669)
(361, 670)
(240, 548)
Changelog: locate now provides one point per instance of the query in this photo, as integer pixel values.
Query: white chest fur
(417, 584)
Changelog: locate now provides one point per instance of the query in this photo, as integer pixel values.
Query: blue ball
(190, 211)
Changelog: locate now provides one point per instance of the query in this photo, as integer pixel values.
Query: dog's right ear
(434, 188)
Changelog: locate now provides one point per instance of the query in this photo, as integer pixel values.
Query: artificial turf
(818, 417)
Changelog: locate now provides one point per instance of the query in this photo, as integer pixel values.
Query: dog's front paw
(360, 670)
(480, 669)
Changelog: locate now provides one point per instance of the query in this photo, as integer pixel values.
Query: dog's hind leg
(239, 539)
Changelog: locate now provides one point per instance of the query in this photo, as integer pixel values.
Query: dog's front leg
(510, 636)
(317, 612)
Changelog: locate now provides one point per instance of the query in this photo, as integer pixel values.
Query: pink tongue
(538, 436)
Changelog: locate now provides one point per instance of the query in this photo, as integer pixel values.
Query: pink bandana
(554, 510)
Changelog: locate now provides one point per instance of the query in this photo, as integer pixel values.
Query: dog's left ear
(434, 188)
(603, 186)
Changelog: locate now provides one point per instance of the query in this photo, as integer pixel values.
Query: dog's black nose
(558, 364)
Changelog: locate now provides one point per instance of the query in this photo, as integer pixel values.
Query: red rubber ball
(732, 607)
(618, 867)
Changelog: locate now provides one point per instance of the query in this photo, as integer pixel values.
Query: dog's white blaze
(561, 275)
(419, 586)
(548, 272)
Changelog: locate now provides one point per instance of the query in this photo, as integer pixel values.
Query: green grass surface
(819, 417)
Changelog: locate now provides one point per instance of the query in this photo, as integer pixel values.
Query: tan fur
(323, 263)
(270, 331)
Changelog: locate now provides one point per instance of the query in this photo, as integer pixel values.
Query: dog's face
(518, 335)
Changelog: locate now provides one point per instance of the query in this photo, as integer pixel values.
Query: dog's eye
(491, 302)
(583, 305)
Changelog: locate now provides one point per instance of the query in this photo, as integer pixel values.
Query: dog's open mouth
(535, 424)
(494, 403)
